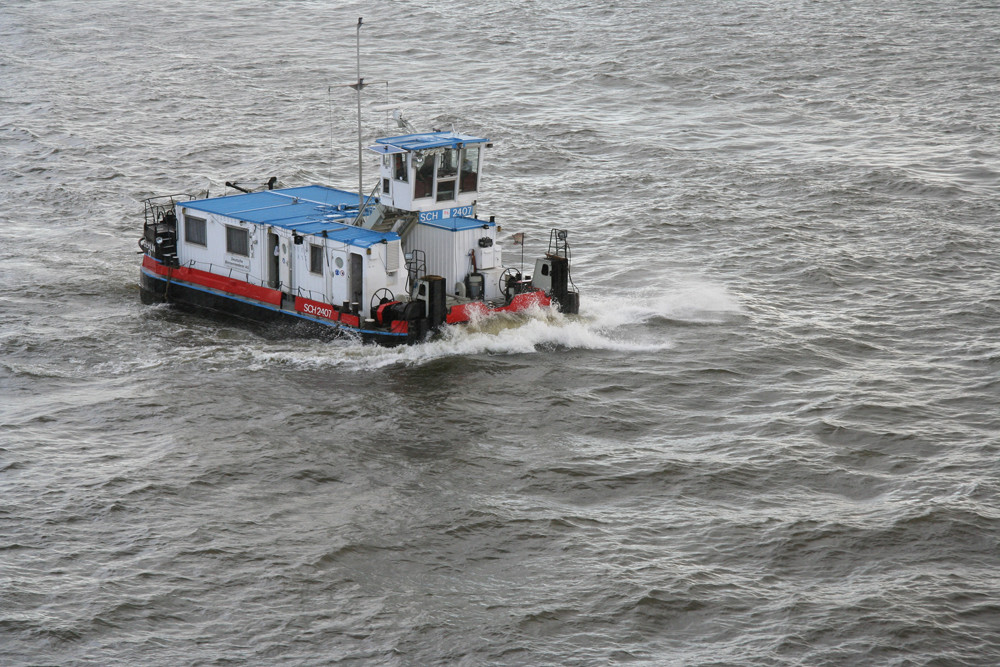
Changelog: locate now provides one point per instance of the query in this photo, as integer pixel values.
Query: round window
(340, 262)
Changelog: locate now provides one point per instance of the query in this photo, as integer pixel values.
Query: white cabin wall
(448, 252)
(308, 284)
(286, 266)
(401, 193)
(438, 248)
(198, 256)
(377, 274)
(338, 262)
(267, 258)
(491, 283)
(332, 286)
(213, 256)
(336, 280)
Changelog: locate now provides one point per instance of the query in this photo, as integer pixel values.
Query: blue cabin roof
(425, 141)
(312, 209)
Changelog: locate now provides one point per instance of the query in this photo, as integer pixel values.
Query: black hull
(158, 290)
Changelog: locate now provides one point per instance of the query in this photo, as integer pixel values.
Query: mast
(358, 86)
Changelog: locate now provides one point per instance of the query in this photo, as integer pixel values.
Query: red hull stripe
(527, 300)
(466, 311)
(456, 314)
(221, 283)
(315, 308)
(326, 311)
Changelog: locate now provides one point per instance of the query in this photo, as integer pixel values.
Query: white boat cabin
(436, 176)
(302, 241)
(311, 243)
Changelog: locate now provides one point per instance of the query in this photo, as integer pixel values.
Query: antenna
(404, 124)
(395, 111)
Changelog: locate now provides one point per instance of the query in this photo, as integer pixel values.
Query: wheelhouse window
(399, 167)
(237, 241)
(446, 174)
(316, 259)
(194, 230)
(424, 186)
(470, 170)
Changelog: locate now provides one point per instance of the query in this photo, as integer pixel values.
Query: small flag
(519, 238)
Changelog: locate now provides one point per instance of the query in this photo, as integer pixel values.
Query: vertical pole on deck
(359, 86)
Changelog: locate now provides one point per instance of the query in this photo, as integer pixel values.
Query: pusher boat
(391, 268)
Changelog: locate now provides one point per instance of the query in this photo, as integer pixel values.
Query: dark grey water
(771, 437)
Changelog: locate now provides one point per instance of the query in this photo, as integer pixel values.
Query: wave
(612, 323)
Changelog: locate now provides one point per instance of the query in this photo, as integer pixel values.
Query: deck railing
(233, 272)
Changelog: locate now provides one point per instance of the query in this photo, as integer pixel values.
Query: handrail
(162, 204)
(361, 211)
(315, 295)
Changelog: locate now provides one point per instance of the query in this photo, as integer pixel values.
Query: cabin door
(357, 278)
(273, 260)
(285, 264)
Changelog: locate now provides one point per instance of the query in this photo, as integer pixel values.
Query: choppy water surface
(771, 437)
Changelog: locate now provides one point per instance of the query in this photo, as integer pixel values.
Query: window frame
(446, 176)
(314, 252)
(473, 172)
(194, 221)
(231, 246)
(401, 167)
(425, 174)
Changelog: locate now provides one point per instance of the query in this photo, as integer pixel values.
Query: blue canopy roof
(312, 209)
(458, 223)
(426, 140)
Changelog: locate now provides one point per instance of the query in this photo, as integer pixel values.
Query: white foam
(604, 323)
(696, 299)
(684, 299)
(529, 332)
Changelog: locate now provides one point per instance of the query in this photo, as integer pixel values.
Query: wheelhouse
(430, 170)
